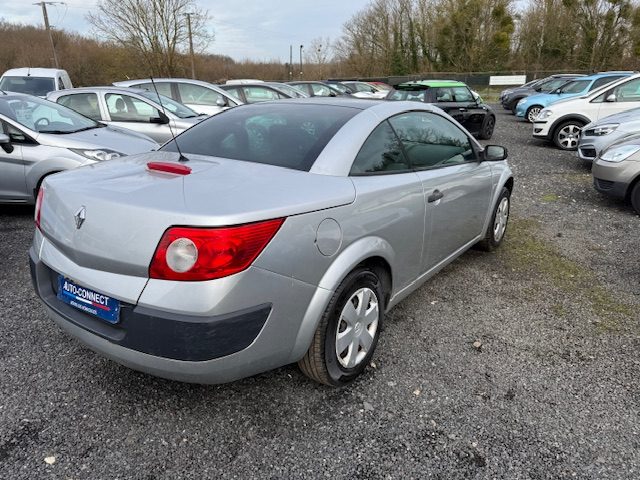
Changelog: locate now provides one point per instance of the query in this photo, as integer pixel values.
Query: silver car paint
(23, 169)
(160, 133)
(385, 216)
(629, 124)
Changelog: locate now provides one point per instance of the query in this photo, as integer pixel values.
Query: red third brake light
(219, 252)
(39, 200)
(168, 167)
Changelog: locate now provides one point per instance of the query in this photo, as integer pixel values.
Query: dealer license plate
(89, 301)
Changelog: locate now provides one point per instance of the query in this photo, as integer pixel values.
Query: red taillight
(39, 200)
(167, 167)
(219, 252)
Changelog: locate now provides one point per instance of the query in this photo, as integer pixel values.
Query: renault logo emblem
(80, 216)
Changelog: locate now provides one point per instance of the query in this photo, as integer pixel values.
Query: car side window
(164, 88)
(462, 94)
(84, 103)
(320, 90)
(444, 95)
(123, 108)
(260, 94)
(198, 95)
(432, 141)
(380, 153)
(628, 92)
(603, 81)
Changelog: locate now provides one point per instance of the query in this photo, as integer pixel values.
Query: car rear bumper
(213, 348)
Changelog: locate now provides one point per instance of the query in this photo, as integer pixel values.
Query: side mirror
(5, 143)
(161, 119)
(221, 103)
(611, 98)
(495, 153)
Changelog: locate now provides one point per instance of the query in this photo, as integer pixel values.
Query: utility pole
(301, 47)
(193, 62)
(290, 63)
(48, 28)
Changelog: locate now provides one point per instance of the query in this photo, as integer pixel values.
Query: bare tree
(156, 29)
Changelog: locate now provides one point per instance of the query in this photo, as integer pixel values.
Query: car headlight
(618, 154)
(544, 114)
(97, 155)
(602, 130)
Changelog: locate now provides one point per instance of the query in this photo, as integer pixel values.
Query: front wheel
(489, 124)
(498, 226)
(635, 198)
(532, 113)
(567, 135)
(348, 332)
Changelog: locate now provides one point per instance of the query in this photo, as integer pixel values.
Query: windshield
(416, 95)
(178, 109)
(43, 116)
(284, 135)
(340, 87)
(551, 85)
(38, 86)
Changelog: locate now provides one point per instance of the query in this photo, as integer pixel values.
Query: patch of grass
(550, 197)
(526, 252)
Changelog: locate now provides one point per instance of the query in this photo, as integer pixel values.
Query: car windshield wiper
(99, 125)
(56, 132)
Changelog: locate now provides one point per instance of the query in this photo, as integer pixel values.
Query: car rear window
(38, 86)
(284, 135)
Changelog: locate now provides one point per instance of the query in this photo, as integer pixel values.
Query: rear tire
(498, 225)
(567, 134)
(635, 197)
(348, 332)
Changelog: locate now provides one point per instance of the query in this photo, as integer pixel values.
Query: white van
(35, 81)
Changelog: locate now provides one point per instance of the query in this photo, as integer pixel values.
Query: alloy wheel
(532, 113)
(568, 136)
(501, 219)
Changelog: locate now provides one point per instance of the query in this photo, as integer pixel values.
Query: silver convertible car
(268, 234)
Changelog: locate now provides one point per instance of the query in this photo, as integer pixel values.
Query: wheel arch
(554, 126)
(373, 252)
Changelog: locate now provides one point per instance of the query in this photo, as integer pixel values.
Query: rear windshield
(408, 93)
(38, 86)
(284, 135)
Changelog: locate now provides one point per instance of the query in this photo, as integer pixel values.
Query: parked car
(616, 171)
(598, 135)
(261, 92)
(453, 97)
(508, 91)
(35, 81)
(561, 122)
(365, 90)
(139, 110)
(510, 100)
(38, 138)
(529, 107)
(339, 86)
(201, 97)
(288, 232)
(317, 89)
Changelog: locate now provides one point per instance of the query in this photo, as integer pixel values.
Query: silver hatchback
(282, 233)
(139, 110)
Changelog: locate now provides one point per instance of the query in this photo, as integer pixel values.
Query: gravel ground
(519, 364)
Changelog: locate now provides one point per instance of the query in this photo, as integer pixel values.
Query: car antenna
(182, 158)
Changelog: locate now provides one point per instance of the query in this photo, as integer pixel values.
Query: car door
(13, 185)
(389, 201)
(444, 98)
(619, 99)
(473, 115)
(456, 186)
(135, 114)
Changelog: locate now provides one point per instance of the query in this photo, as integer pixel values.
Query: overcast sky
(253, 29)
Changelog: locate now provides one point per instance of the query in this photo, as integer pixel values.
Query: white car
(35, 81)
(562, 121)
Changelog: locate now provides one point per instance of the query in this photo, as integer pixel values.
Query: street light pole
(48, 28)
(301, 47)
(193, 62)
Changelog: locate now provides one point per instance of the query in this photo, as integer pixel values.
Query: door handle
(435, 196)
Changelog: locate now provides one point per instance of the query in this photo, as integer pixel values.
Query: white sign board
(508, 80)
